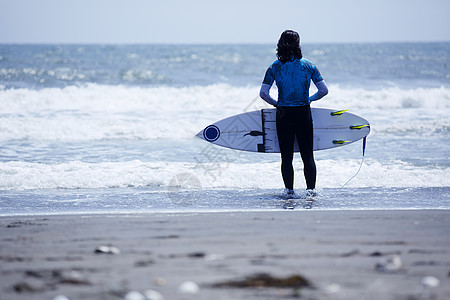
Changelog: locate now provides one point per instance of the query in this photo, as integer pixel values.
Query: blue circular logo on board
(211, 133)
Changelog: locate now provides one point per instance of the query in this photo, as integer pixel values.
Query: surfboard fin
(359, 126)
(339, 112)
(340, 142)
(254, 133)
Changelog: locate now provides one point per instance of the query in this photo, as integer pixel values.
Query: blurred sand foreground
(300, 254)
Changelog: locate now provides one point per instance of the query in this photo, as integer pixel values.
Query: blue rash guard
(293, 80)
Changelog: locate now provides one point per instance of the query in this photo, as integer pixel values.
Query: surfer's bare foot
(288, 193)
(311, 194)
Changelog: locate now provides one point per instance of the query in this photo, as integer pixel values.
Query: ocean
(111, 128)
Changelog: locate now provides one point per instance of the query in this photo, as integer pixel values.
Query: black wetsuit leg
(296, 122)
(286, 135)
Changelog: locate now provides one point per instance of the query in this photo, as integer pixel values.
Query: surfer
(293, 74)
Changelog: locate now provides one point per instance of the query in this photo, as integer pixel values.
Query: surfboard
(256, 130)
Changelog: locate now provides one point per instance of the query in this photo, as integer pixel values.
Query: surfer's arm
(322, 90)
(264, 93)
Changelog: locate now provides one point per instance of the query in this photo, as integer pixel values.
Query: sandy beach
(228, 255)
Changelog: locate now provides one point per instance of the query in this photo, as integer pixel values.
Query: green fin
(339, 112)
(359, 126)
(340, 142)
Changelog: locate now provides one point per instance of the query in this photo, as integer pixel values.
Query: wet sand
(340, 254)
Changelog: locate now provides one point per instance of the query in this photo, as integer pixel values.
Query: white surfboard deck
(256, 130)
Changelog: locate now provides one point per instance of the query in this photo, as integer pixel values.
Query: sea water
(111, 128)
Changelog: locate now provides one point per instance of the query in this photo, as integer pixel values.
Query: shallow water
(145, 200)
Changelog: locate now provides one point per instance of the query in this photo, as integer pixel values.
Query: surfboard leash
(360, 166)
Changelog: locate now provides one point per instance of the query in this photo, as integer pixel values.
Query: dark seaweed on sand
(268, 281)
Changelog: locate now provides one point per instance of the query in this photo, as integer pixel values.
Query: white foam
(392, 98)
(73, 175)
(212, 175)
(394, 110)
(106, 112)
(95, 112)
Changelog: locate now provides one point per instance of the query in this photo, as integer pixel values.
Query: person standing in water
(293, 74)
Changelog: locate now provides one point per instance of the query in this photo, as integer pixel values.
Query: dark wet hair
(288, 46)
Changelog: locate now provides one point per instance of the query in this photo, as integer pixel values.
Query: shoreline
(343, 254)
(212, 211)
